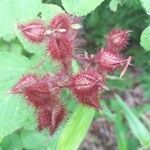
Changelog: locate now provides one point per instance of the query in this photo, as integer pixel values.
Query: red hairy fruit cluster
(43, 94)
(60, 37)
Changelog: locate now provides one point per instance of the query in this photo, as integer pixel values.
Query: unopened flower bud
(86, 86)
(109, 60)
(117, 39)
(34, 32)
(61, 21)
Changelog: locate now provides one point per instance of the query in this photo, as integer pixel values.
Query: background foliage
(18, 56)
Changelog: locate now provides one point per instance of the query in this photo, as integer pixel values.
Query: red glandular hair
(34, 31)
(86, 86)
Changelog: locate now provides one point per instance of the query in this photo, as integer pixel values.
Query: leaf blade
(13, 110)
(145, 39)
(137, 127)
(76, 128)
(80, 7)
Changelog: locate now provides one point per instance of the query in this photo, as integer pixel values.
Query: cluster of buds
(43, 92)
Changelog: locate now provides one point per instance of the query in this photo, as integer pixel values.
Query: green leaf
(12, 66)
(16, 47)
(8, 37)
(13, 110)
(121, 84)
(12, 142)
(1, 147)
(16, 11)
(80, 7)
(52, 145)
(3, 46)
(113, 5)
(48, 11)
(34, 140)
(106, 111)
(43, 64)
(76, 128)
(137, 127)
(121, 133)
(145, 39)
(146, 5)
(13, 114)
